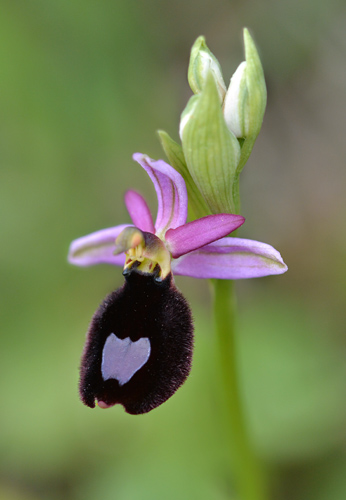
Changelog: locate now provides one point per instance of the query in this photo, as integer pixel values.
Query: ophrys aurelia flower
(139, 345)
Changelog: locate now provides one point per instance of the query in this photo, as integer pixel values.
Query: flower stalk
(248, 472)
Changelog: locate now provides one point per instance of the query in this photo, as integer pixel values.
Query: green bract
(175, 155)
(256, 87)
(211, 151)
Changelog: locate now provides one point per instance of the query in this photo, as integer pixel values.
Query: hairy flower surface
(139, 345)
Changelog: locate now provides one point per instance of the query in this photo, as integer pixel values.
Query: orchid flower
(198, 249)
(139, 345)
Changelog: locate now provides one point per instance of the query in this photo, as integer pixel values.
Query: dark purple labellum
(139, 345)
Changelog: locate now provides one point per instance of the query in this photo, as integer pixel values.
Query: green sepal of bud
(176, 158)
(256, 98)
(211, 150)
(203, 62)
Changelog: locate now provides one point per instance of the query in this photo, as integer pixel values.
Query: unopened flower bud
(246, 97)
(236, 103)
(203, 61)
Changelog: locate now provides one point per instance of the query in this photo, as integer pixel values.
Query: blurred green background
(83, 85)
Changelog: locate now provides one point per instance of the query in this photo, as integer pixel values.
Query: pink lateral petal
(139, 211)
(201, 232)
(231, 258)
(171, 193)
(97, 248)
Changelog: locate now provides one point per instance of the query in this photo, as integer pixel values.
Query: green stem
(249, 477)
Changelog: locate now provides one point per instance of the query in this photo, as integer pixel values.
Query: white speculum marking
(122, 358)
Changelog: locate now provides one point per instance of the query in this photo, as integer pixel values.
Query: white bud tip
(234, 112)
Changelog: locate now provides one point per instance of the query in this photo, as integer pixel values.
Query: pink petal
(139, 211)
(97, 248)
(231, 258)
(171, 193)
(201, 232)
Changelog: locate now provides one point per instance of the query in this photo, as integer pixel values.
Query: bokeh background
(83, 85)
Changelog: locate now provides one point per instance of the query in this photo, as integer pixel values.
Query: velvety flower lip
(139, 345)
(199, 249)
